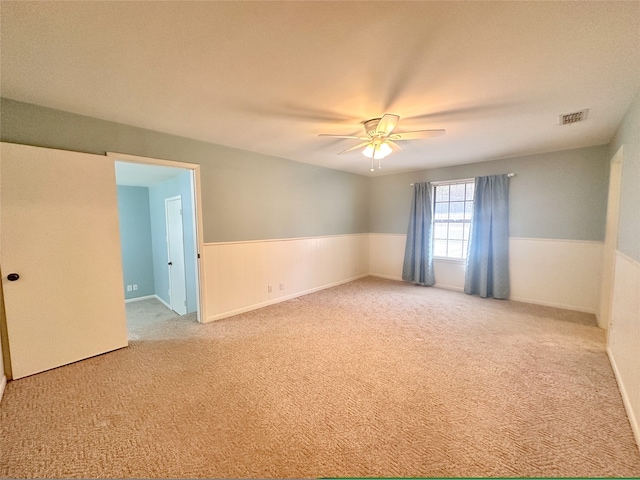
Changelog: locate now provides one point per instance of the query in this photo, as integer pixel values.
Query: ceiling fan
(380, 140)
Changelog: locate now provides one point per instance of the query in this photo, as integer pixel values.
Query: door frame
(197, 206)
(610, 241)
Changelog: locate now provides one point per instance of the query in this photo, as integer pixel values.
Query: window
(452, 212)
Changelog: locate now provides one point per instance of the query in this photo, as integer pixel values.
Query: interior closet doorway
(160, 231)
(175, 253)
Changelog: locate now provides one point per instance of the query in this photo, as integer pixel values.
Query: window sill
(459, 261)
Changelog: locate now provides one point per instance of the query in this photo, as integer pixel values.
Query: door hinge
(198, 255)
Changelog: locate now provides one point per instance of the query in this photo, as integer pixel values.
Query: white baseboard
(137, 299)
(449, 287)
(147, 297)
(161, 301)
(437, 285)
(532, 301)
(3, 384)
(256, 306)
(514, 299)
(386, 277)
(635, 427)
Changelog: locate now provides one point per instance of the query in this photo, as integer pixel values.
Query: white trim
(137, 299)
(163, 302)
(605, 303)
(448, 287)
(564, 306)
(555, 240)
(281, 299)
(632, 261)
(291, 239)
(533, 239)
(437, 285)
(3, 384)
(458, 261)
(194, 232)
(148, 297)
(151, 161)
(452, 182)
(197, 204)
(386, 277)
(389, 234)
(635, 427)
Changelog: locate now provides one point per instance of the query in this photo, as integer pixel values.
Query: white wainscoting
(244, 276)
(386, 255)
(449, 274)
(557, 273)
(624, 336)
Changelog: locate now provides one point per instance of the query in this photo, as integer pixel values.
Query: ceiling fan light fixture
(369, 150)
(381, 135)
(384, 150)
(377, 150)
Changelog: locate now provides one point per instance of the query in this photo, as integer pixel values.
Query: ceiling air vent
(574, 117)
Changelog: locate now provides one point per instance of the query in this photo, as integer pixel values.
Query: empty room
(362, 238)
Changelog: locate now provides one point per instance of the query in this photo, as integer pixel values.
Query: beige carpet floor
(371, 378)
(148, 315)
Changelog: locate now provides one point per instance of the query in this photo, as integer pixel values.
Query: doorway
(160, 229)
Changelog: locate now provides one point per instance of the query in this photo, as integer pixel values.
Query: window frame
(463, 221)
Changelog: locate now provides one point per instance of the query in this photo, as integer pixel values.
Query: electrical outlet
(135, 286)
(282, 286)
(269, 288)
(129, 288)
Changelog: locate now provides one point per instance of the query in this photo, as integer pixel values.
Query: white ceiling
(270, 76)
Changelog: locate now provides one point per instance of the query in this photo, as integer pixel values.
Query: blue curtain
(487, 272)
(418, 256)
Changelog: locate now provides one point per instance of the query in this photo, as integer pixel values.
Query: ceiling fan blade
(395, 146)
(336, 136)
(387, 123)
(342, 136)
(363, 144)
(416, 134)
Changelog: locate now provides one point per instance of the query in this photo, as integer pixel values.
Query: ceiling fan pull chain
(379, 166)
(372, 169)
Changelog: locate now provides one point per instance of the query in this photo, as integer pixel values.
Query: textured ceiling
(270, 76)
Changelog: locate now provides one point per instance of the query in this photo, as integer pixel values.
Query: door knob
(12, 277)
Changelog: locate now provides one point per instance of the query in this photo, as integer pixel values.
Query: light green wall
(628, 135)
(248, 196)
(559, 195)
(245, 195)
(135, 239)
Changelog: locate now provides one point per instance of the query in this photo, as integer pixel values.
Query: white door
(60, 236)
(175, 250)
(610, 241)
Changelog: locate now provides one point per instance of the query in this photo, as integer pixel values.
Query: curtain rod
(456, 181)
